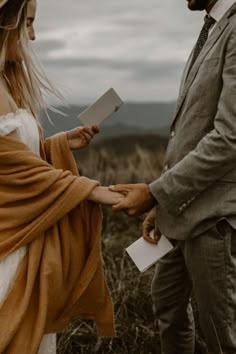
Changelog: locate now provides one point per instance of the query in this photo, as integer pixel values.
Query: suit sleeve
(213, 157)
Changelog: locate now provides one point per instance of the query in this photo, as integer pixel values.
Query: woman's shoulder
(8, 116)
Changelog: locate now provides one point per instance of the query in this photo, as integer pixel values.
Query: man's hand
(80, 137)
(138, 198)
(148, 225)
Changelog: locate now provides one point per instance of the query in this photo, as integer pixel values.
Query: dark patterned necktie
(209, 21)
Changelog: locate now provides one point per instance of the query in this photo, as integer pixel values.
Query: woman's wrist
(103, 195)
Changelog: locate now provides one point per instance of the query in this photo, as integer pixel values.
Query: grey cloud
(132, 13)
(158, 71)
(142, 41)
(44, 47)
(137, 69)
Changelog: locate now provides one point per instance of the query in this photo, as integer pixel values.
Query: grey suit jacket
(198, 184)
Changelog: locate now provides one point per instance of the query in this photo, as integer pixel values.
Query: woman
(50, 259)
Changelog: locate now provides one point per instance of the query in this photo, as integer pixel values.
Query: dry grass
(136, 327)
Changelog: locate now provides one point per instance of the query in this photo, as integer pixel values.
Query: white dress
(26, 127)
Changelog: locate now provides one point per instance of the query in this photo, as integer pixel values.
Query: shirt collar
(220, 8)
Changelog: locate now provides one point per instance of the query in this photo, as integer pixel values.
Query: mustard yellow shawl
(43, 205)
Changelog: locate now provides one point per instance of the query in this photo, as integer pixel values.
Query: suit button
(172, 134)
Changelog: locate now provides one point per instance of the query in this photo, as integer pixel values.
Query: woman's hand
(80, 137)
(103, 195)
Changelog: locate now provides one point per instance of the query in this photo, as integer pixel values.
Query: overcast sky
(138, 47)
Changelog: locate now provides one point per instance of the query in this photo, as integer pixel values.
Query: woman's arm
(104, 196)
(99, 194)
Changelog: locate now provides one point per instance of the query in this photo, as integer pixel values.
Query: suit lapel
(184, 75)
(188, 78)
(193, 72)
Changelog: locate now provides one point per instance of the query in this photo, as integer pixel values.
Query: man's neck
(210, 5)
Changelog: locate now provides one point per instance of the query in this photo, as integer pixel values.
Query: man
(195, 198)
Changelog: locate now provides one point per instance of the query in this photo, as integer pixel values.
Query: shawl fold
(43, 206)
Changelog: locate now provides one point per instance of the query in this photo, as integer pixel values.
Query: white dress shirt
(219, 9)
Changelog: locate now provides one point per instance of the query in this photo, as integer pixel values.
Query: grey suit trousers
(206, 264)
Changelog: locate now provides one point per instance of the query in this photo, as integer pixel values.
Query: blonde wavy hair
(26, 81)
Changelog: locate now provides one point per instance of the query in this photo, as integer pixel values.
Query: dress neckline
(13, 114)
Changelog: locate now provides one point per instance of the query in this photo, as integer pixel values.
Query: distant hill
(128, 143)
(124, 144)
(131, 119)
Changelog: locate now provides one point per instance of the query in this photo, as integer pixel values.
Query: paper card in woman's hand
(107, 104)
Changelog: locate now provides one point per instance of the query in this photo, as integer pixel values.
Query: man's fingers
(117, 207)
(149, 239)
(157, 234)
(120, 188)
(147, 227)
(122, 205)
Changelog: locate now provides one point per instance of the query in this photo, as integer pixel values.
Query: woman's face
(13, 54)
(31, 13)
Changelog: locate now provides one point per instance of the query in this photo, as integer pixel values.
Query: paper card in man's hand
(145, 254)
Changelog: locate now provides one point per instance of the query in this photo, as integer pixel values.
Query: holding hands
(134, 199)
(138, 198)
(103, 195)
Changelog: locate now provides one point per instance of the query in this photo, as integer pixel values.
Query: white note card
(145, 254)
(100, 110)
